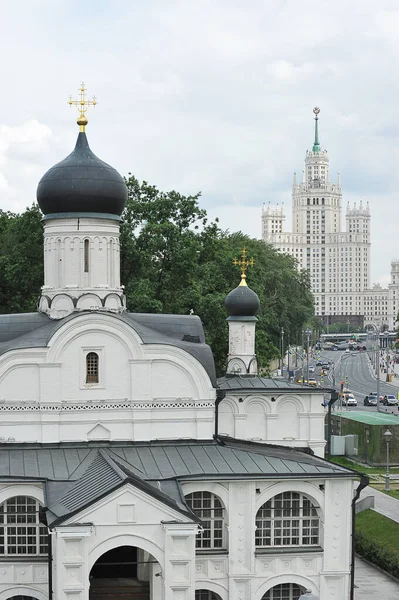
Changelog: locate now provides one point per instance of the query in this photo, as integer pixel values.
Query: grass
(345, 462)
(393, 493)
(376, 540)
(379, 528)
(375, 525)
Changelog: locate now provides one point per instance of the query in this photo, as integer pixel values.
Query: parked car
(371, 399)
(349, 400)
(390, 400)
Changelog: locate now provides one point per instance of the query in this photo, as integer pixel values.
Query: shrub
(373, 541)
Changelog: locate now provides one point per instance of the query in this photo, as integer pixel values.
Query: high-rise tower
(338, 262)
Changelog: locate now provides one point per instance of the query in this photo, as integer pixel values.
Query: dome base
(61, 305)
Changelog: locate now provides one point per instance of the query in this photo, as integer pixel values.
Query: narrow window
(92, 367)
(86, 257)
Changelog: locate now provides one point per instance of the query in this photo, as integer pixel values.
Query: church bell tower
(242, 304)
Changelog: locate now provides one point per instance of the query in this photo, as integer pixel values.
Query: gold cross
(243, 263)
(83, 104)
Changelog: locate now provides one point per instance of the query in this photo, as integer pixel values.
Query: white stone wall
(144, 391)
(288, 419)
(81, 265)
(128, 516)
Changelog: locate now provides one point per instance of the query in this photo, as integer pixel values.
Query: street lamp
(282, 350)
(387, 436)
(308, 596)
(308, 334)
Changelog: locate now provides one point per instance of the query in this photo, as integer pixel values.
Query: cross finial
(83, 104)
(243, 263)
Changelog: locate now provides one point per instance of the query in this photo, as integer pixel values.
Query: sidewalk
(384, 504)
(372, 584)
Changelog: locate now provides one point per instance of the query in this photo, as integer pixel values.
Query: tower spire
(83, 104)
(316, 145)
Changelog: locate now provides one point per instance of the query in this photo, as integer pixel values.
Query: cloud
(21, 147)
(211, 96)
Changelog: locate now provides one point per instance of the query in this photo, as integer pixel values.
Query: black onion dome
(242, 302)
(82, 183)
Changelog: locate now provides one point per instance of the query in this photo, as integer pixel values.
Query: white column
(71, 577)
(241, 539)
(179, 573)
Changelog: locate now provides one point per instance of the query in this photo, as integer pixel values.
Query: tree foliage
(21, 260)
(173, 260)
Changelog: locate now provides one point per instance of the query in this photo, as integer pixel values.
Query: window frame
(13, 527)
(92, 368)
(288, 591)
(274, 526)
(217, 524)
(84, 384)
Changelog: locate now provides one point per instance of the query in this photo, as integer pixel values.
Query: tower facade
(337, 259)
(242, 304)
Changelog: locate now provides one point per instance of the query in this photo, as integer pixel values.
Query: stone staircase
(121, 588)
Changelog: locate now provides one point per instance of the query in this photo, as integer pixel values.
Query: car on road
(319, 363)
(390, 400)
(349, 400)
(301, 379)
(311, 368)
(323, 372)
(371, 399)
(312, 381)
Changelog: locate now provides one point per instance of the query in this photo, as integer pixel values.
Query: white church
(127, 470)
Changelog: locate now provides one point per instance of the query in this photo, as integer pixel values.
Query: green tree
(21, 260)
(174, 260)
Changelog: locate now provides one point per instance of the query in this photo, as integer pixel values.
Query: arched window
(208, 507)
(288, 519)
(86, 255)
(206, 595)
(21, 533)
(284, 591)
(92, 368)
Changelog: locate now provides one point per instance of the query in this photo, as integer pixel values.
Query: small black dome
(242, 302)
(82, 183)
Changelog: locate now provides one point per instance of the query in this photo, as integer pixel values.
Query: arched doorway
(22, 598)
(206, 595)
(284, 591)
(125, 573)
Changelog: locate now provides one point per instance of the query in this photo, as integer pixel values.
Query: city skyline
(225, 108)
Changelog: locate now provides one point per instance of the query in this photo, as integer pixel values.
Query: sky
(209, 95)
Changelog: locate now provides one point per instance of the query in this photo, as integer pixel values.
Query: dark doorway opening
(121, 574)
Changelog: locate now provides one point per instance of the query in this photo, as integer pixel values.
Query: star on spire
(316, 145)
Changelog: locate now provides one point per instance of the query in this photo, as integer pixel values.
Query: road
(356, 367)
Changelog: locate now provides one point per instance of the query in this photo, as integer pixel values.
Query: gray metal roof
(72, 471)
(34, 330)
(241, 383)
